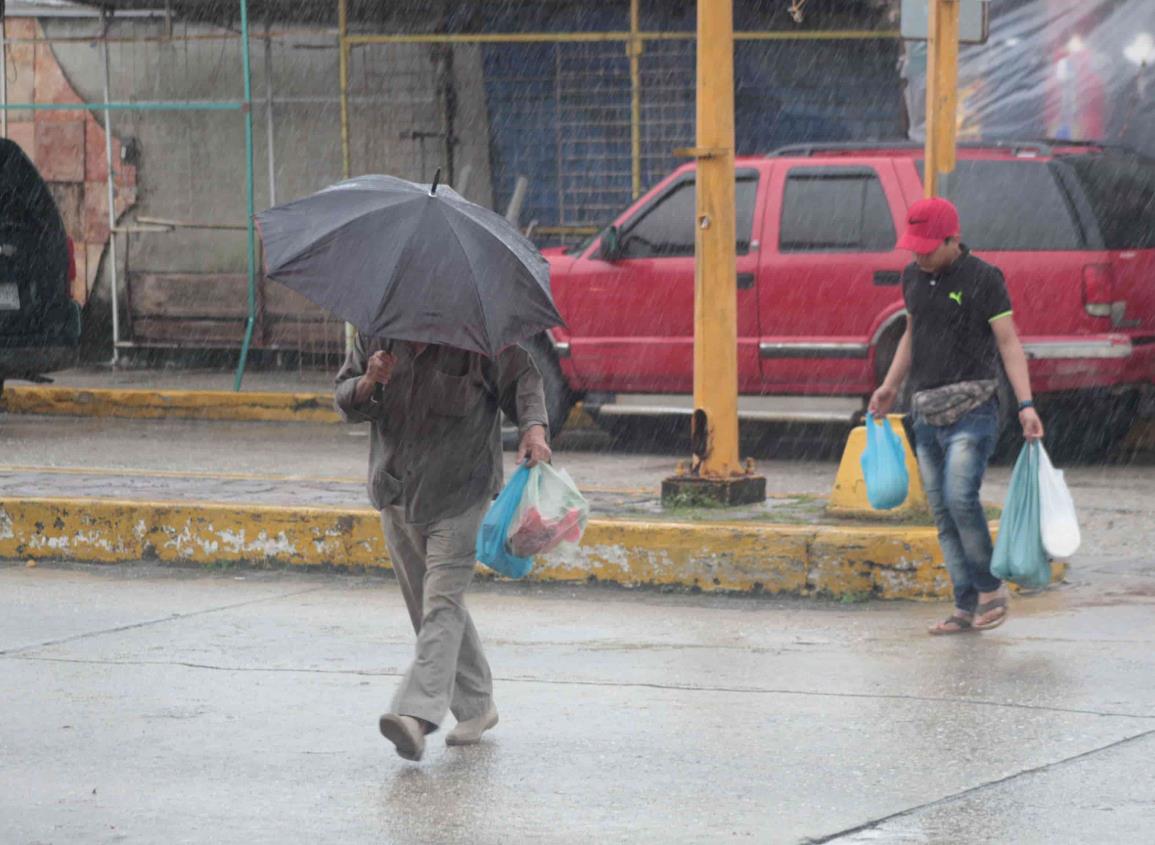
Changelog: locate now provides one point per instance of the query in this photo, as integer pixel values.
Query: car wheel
(1086, 427)
(884, 357)
(559, 399)
(1010, 437)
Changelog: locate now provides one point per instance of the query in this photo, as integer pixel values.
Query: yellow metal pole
(343, 74)
(930, 158)
(634, 49)
(941, 92)
(947, 87)
(716, 296)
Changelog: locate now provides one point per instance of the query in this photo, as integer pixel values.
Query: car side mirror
(611, 246)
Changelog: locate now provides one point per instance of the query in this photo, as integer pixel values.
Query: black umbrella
(411, 262)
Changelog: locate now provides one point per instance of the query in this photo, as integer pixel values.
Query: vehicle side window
(1013, 206)
(835, 210)
(666, 229)
(1122, 194)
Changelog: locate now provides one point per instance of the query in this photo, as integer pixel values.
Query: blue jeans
(952, 460)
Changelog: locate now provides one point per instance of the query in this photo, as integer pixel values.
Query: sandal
(999, 603)
(952, 625)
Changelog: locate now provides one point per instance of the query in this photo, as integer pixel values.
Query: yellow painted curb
(221, 405)
(854, 562)
(218, 405)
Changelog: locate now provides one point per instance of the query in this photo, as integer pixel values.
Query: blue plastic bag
(1019, 554)
(491, 536)
(884, 465)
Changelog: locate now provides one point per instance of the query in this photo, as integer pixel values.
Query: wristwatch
(1024, 405)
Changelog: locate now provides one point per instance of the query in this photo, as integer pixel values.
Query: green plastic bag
(1019, 554)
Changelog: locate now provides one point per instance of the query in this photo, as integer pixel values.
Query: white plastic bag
(552, 514)
(1057, 518)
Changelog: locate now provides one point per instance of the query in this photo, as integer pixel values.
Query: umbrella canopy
(411, 262)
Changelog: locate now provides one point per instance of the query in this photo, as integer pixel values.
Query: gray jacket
(435, 447)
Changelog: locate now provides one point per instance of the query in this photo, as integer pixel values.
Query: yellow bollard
(849, 495)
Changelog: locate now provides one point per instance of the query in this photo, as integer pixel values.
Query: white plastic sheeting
(1064, 69)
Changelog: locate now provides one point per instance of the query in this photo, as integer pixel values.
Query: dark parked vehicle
(39, 321)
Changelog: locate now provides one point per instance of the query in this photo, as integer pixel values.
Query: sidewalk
(267, 494)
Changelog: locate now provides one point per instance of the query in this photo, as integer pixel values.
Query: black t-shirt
(951, 316)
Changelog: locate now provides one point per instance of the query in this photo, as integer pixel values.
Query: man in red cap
(960, 323)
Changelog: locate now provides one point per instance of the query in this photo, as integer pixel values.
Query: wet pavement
(161, 705)
(302, 465)
(165, 705)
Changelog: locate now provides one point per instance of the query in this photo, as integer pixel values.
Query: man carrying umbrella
(435, 464)
(442, 291)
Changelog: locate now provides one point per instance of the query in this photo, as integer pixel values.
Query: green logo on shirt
(957, 297)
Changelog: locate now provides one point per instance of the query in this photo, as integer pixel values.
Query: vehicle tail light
(1098, 289)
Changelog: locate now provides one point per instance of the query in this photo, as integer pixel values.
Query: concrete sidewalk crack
(12, 652)
(362, 673)
(982, 787)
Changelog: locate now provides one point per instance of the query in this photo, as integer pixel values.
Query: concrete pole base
(687, 491)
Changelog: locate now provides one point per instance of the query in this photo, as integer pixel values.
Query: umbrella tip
(436, 182)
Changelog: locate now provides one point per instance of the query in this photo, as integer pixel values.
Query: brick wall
(68, 148)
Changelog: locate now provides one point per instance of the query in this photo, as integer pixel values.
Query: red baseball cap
(928, 223)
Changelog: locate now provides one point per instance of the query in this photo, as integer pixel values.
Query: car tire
(1087, 427)
(883, 358)
(559, 399)
(1010, 433)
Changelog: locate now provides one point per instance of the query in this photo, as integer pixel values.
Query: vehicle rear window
(1121, 190)
(827, 209)
(1013, 206)
(666, 228)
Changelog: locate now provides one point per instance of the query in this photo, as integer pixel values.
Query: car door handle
(887, 277)
(745, 281)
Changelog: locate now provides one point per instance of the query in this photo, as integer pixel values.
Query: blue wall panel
(559, 114)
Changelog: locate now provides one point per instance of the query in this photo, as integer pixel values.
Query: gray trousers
(434, 565)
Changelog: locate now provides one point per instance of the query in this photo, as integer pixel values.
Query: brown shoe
(405, 733)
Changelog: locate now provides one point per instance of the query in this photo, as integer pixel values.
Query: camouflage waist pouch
(948, 404)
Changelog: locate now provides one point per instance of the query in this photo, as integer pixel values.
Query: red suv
(820, 307)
